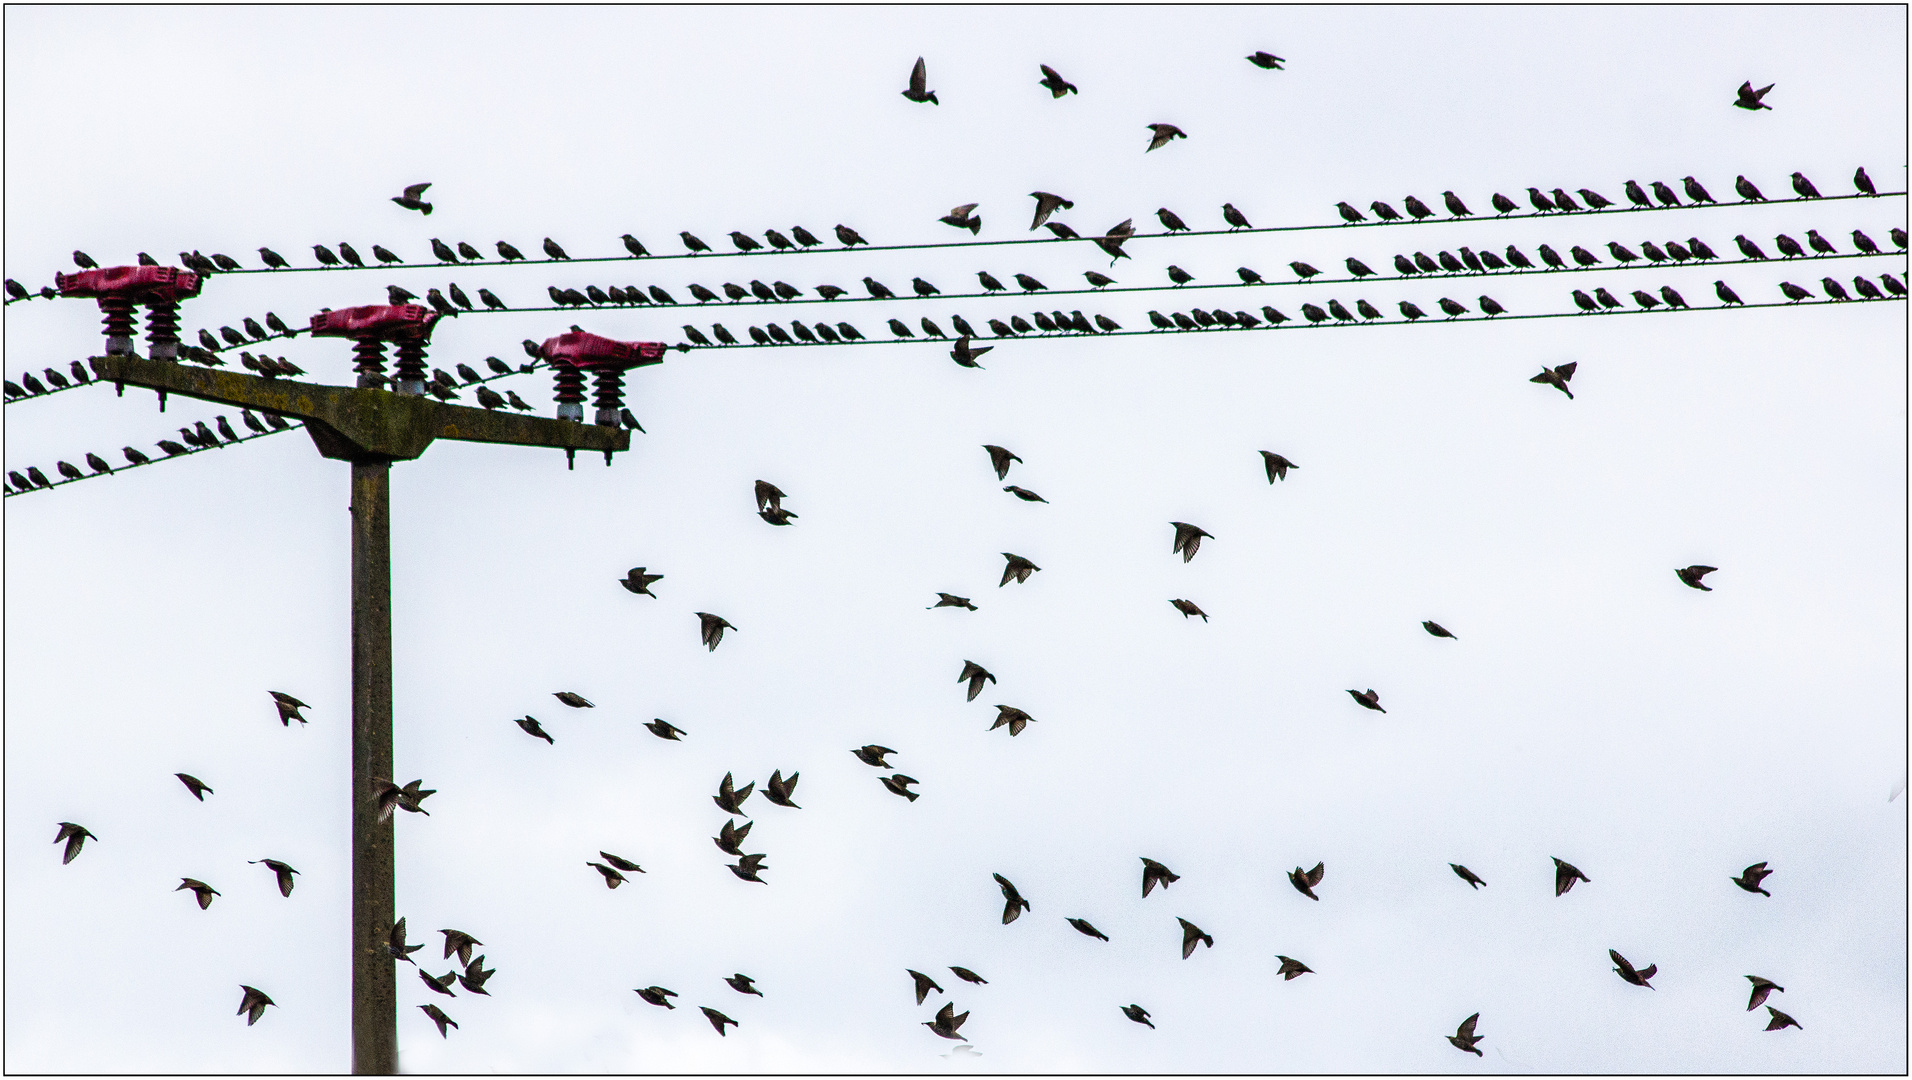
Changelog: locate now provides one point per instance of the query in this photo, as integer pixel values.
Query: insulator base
(369, 361)
(408, 374)
(162, 329)
(117, 314)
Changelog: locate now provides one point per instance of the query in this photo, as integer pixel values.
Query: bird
(1490, 307)
(440, 984)
(1136, 1012)
(877, 289)
(657, 995)
(730, 836)
(1153, 874)
(1464, 1036)
(1411, 311)
(1564, 202)
(1627, 971)
(1671, 297)
(966, 975)
(411, 201)
(769, 496)
(618, 861)
(899, 784)
(1013, 903)
(1029, 284)
(1833, 289)
(747, 867)
(395, 946)
(172, 448)
(1368, 699)
(438, 1015)
(778, 789)
(398, 295)
(552, 249)
(443, 306)
(252, 1004)
(532, 728)
(195, 785)
(1695, 192)
(1291, 968)
(712, 629)
(384, 255)
(873, 754)
(1750, 879)
(1188, 539)
(1467, 875)
(1565, 874)
(1061, 231)
(639, 582)
(201, 890)
(924, 985)
(509, 253)
(961, 218)
(717, 1019)
(1761, 988)
(1620, 253)
(392, 797)
(1747, 190)
(1369, 311)
(84, 261)
(1303, 270)
(777, 240)
(573, 700)
(1358, 268)
(1866, 288)
(1859, 240)
(1863, 182)
(1161, 134)
(1804, 187)
(1013, 717)
(1350, 215)
(1781, 1020)
(1455, 206)
(803, 236)
(469, 252)
(1192, 934)
(1749, 98)
(1595, 200)
(1748, 248)
(1726, 294)
(742, 984)
(965, 355)
(663, 730)
(1416, 207)
(489, 398)
(98, 464)
(919, 81)
(1383, 211)
(1819, 243)
(1304, 881)
(1453, 308)
(517, 402)
(1691, 576)
(1557, 377)
(1235, 218)
(1645, 299)
(1017, 568)
(947, 1021)
(743, 242)
(1098, 281)
(1188, 608)
(134, 456)
(1267, 61)
(1056, 84)
(1170, 221)
(730, 798)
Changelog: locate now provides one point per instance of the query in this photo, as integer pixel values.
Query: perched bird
(899, 784)
(1061, 231)
(1565, 874)
(134, 456)
(252, 1005)
(1304, 881)
(657, 995)
(730, 798)
(743, 242)
(1671, 297)
(1833, 289)
(1747, 190)
(1029, 284)
(804, 237)
(1411, 311)
(1383, 211)
(1490, 307)
(730, 837)
(1503, 204)
(1866, 289)
(1748, 248)
(947, 1021)
(98, 464)
(1098, 281)
(717, 1019)
(961, 218)
(1467, 875)
(847, 237)
(1153, 874)
(84, 261)
(1455, 206)
(1819, 243)
(874, 755)
(742, 984)
(1161, 134)
(1291, 968)
(1761, 988)
(1750, 880)
(1349, 214)
(1557, 377)
(1695, 192)
(877, 289)
(1637, 196)
(1416, 207)
(1518, 258)
(778, 789)
(1627, 971)
(1645, 299)
(1464, 1036)
(1804, 187)
(1620, 253)
(1595, 200)
(1188, 608)
(1136, 1012)
(1358, 268)
(777, 240)
(663, 730)
(1303, 270)
(1192, 933)
(533, 729)
(1085, 928)
(967, 975)
(1267, 61)
(900, 330)
(1188, 539)
(72, 472)
(1454, 309)
(1017, 568)
(1235, 218)
(385, 255)
(924, 985)
(517, 402)
(711, 629)
(1726, 294)
(1859, 240)
(747, 867)
(1170, 221)
(200, 889)
(1015, 719)
(919, 81)
(489, 398)
(1013, 903)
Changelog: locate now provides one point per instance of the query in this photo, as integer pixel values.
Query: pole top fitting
(162, 283)
(378, 322)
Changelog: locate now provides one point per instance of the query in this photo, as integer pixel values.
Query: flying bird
(1013, 903)
(392, 797)
(730, 798)
(947, 1021)
(252, 1005)
(1056, 84)
(1304, 881)
(532, 728)
(395, 946)
(1749, 98)
(874, 755)
(639, 582)
(962, 217)
(1188, 608)
(573, 700)
(1781, 1020)
(1138, 1014)
(657, 995)
(1154, 873)
(411, 201)
(1017, 568)
(1691, 576)
(200, 889)
(1086, 928)
(1192, 934)
(711, 629)
(1291, 968)
(967, 975)
(1750, 879)
(924, 985)
(1015, 718)
(195, 785)
(747, 867)
(899, 785)
(717, 1019)
(1188, 539)
(1557, 377)
(1267, 61)
(1162, 134)
(1277, 465)
(742, 984)
(1627, 971)
(919, 81)
(75, 836)
(1436, 629)
(1024, 494)
(778, 789)
(1565, 874)
(730, 837)
(1467, 875)
(1761, 988)
(1464, 1036)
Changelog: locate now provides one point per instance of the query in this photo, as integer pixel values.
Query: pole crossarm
(361, 425)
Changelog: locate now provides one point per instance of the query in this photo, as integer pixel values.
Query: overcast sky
(1592, 708)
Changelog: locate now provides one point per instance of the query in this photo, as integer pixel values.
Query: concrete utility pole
(371, 428)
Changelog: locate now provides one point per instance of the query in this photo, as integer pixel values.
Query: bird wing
(1625, 968)
(963, 210)
(413, 191)
(1320, 868)
(1565, 371)
(1647, 972)
(919, 77)
(1050, 73)
(1466, 1030)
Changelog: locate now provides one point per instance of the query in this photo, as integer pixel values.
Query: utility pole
(370, 428)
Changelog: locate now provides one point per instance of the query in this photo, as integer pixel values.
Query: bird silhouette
(1154, 873)
(1235, 218)
(1017, 568)
(1565, 874)
(962, 218)
(1691, 575)
(201, 890)
(1749, 98)
(532, 728)
(395, 945)
(1557, 377)
(1803, 187)
(1136, 1012)
(1015, 719)
(1024, 494)
(1086, 928)
(947, 1021)
(1464, 1036)
(1761, 988)
(924, 985)
(711, 629)
(1436, 629)
(1625, 970)
(919, 82)
(1161, 134)
(663, 730)
(965, 355)
(747, 868)
(1781, 1020)
(639, 582)
(731, 798)
(1013, 903)
(1267, 61)
(1192, 934)
(1750, 879)
(1304, 881)
(873, 754)
(967, 975)
(252, 1004)
(657, 995)
(1455, 206)
(1188, 539)
(411, 201)
(899, 784)
(717, 1019)
(1291, 968)
(1188, 608)
(1467, 875)
(778, 789)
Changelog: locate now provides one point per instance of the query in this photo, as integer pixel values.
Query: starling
(1192, 933)
(1246, 321)
(947, 1021)
(1583, 256)
(618, 861)
(1726, 295)
(1558, 377)
(1368, 699)
(200, 889)
(712, 629)
(1188, 539)
(1748, 248)
(1819, 243)
(441, 305)
(967, 975)
(1626, 970)
(730, 798)
(1349, 214)
(1340, 313)
(1061, 231)
(1303, 270)
(693, 244)
(282, 872)
(975, 675)
(1136, 1012)
(74, 836)
(440, 984)
(509, 253)
(442, 252)
(1267, 61)
(1595, 200)
(1455, 206)
(1794, 293)
(1563, 202)
(924, 985)
(657, 995)
(717, 1019)
(253, 1004)
(1645, 299)
(1695, 192)
(1417, 208)
(390, 797)
(924, 288)
(778, 334)
(874, 755)
(1466, 875)
(1291, 968)
(1565, 874)
(1833, 289)
(1405, 267)
(1235, 218)
(1366, 310)
(1620, 254)
(172, 448)
(397, 295)
(803, 332)
(197, 786)
(1014, 904)
(468, 252)
(744, 243)
(1029, 284)
(1749, 98)
(1153, 874)
(1866, 289)
(663, 729)
(1454, 308)
(899, 784)
(1761, 988)
(1750, 880)
(961, 218)
(1017, 568)
(1304, 881)
(68, 470)
(1184, 321)
(395, 946)
(827, 333)
(272, 258)
(1086, 928)
(878, 289)
(804, 237)
(1781, 1020)
(1098, 281)
(1672, 297)
(1201, 317)
(1161, 134)
(1024, 494)
(612, 879)
(134, 456)
(1450, 264)
(966, 355)
(728, 838)
(919, 80)
(1313, 313)
(1411, 312)
(98, 464)
(1464, 1036)
(1490, 307)
(778, 789)
(1519, 259)
(385, 256)
(411, 201)
(1864, 243)
(517, 402)
(1015, 719)
(742, 984)
(532, 728)
(1383, 211)
(1585, 302)
(1804, 187)
(777, 240)
(16, 290)
(848, 237)
(1170, 221)
(850, 333)
(1357, 268)
(1652, 251)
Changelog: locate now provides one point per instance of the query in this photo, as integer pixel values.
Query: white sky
(1659, 738)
